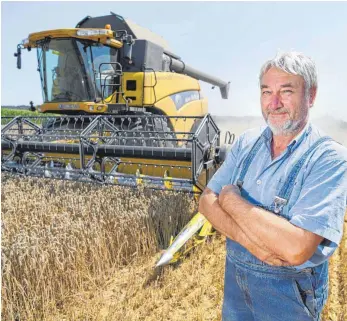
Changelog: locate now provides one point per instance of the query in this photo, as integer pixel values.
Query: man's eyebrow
(289, 84)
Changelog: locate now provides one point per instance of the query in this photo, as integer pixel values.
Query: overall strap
(284, 195)
(248, 161)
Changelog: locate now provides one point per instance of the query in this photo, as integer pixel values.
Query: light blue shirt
(319, 198)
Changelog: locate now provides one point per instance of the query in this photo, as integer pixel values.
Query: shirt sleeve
(321, 205)
(224, 174)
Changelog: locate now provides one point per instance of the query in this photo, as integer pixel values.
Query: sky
(229, 40)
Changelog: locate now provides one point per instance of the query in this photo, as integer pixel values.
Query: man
(280, 198)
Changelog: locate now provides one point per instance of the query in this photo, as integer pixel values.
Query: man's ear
(312, 96)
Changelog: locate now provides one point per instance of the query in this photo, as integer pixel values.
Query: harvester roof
(117, 22)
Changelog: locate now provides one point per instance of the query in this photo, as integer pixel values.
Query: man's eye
(266, 92)
(287, 91)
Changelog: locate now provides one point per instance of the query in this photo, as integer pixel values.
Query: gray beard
(289, 127)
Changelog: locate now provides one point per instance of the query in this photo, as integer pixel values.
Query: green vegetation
(7, 112)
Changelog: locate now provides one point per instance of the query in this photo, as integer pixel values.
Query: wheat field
(75, 251)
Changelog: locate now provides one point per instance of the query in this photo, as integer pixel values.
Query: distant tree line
(16, 107)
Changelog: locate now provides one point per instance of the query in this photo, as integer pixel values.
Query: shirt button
(258, 182)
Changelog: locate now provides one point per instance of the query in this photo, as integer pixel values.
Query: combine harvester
(127, 111)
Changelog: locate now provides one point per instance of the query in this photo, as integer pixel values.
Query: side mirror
(128, 47)
(18, 54)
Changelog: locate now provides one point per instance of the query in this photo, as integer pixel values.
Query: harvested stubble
(83, 281)
(60, 238)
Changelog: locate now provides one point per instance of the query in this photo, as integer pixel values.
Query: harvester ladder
(118, 73)
(151, 86)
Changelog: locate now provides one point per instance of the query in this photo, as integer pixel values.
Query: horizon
(314, 117)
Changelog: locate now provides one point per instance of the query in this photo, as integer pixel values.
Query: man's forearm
(226, 225)
(265, 228)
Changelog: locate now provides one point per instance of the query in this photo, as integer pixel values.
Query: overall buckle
(239, 183)
(279, 204)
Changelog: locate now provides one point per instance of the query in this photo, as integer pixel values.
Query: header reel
(128, 150)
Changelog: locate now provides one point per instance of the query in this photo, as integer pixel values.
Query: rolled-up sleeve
(223, 175)
(321, 206)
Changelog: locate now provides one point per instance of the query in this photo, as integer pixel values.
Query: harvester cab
(110, 65)
(126, 111)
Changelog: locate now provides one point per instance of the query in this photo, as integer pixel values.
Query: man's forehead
(280, 78)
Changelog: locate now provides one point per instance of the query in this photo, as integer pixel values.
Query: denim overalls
(257, 291)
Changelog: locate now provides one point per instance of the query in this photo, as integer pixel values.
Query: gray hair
(294, 63)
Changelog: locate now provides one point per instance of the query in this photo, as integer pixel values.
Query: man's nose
(275, 102)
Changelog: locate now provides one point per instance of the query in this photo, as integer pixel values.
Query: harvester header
(102, 153)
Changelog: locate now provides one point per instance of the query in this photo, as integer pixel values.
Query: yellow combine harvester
(129, 111)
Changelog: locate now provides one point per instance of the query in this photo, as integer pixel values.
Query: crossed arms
(267, 236)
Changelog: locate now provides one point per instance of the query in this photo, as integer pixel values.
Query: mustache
(277, 111)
